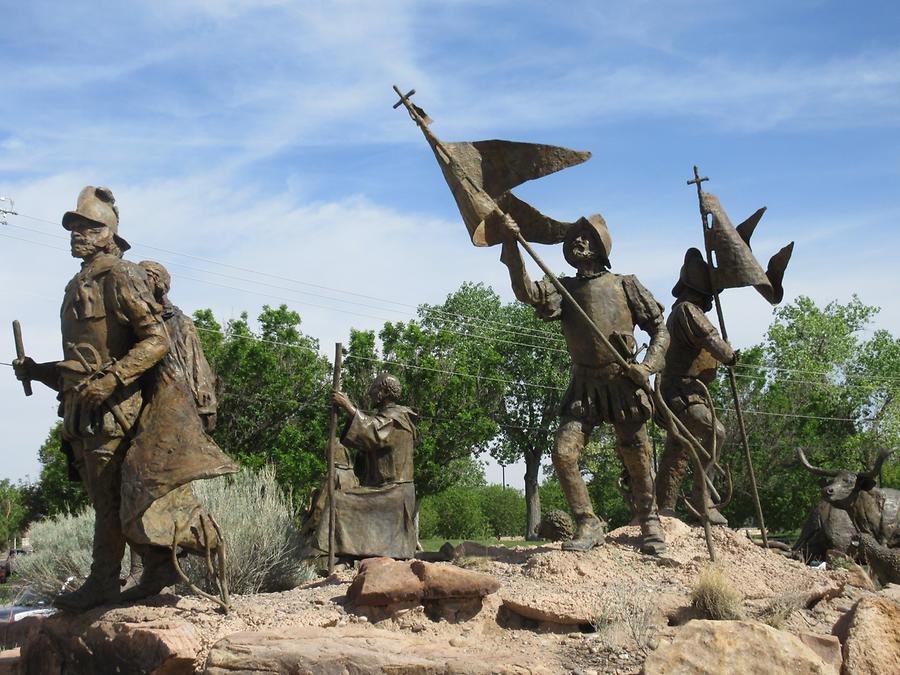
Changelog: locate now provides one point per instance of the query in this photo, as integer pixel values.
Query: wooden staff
(332, 441)
(20, 353)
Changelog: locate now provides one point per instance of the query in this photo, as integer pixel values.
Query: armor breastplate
(89, 328)
(604, 300)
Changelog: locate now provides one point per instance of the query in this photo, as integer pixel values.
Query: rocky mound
(555, 612)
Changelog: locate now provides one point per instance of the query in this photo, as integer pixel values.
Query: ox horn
(818, 470)
(880, 459)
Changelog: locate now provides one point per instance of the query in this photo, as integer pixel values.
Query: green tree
(820, 380)
(535, 364)
(450, 376)
(503, 509)
(58, 492)
(273, 406)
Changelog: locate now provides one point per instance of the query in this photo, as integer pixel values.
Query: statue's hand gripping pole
(20, 353)
(95, 371)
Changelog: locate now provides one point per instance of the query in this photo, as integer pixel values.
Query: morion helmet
(694, 274)
(97, 205)
(597, 227)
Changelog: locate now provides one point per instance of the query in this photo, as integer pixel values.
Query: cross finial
(404, 98)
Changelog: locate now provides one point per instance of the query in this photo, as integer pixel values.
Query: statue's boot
(159, 573)
(591, 532)
(653, 539)
(95, 591)
(715, 517)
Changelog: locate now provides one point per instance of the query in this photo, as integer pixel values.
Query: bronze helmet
(694, 274)
(597, 227)
(97, 205)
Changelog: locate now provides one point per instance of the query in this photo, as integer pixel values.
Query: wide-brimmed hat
(596, 226)
(97, 205)
(694, 274)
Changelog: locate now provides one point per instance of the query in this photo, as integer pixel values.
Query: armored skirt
(604, 394)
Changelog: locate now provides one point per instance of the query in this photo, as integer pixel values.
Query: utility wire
(518, 329)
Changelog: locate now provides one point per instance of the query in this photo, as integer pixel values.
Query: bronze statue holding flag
(598, 310)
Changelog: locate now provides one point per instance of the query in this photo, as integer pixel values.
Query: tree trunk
(532, 495)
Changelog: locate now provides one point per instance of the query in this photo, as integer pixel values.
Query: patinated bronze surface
(874, 512)
(695, 350)
(130, 425)
(375, 502)
(599, 390)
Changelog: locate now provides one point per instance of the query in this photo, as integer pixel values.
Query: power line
(760, 366)
(539, 347)
(518, 329)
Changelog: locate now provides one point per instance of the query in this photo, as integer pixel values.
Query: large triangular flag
(733, 264)
(482, 174)
(495, 167)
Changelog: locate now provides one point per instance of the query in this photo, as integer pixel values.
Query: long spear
(739, 413)
(480, 202)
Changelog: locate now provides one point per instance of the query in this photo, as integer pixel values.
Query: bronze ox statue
(874, 512)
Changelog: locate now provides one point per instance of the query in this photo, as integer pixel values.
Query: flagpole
(738, 411)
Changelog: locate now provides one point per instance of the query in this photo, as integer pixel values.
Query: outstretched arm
(541, 295)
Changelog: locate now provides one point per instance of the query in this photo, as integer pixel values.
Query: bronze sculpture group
(138, 402)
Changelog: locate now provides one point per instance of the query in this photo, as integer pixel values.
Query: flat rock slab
(747, 647)
(383, 581)
(548, 608)
(354, 651)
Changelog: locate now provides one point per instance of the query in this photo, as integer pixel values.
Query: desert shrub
(62, 554)
(715, 596)
(255, 515)
(428, 519)
(262, 540)
(459, 514)
(504, 510)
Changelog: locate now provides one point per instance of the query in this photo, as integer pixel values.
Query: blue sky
(261, 134)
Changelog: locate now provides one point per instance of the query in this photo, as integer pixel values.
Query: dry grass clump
(715, 596)
(622, 608)
(779, 610)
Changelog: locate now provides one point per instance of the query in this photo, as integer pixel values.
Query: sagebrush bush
(256, 517)
(715, 596)
(62, 554)
(262, 540)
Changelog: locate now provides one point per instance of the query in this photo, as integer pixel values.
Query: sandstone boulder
(828, 647)
(382, 581)
(872, 643)
(90, 643)
(441, 582)
(357, 650)
(747, 647)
